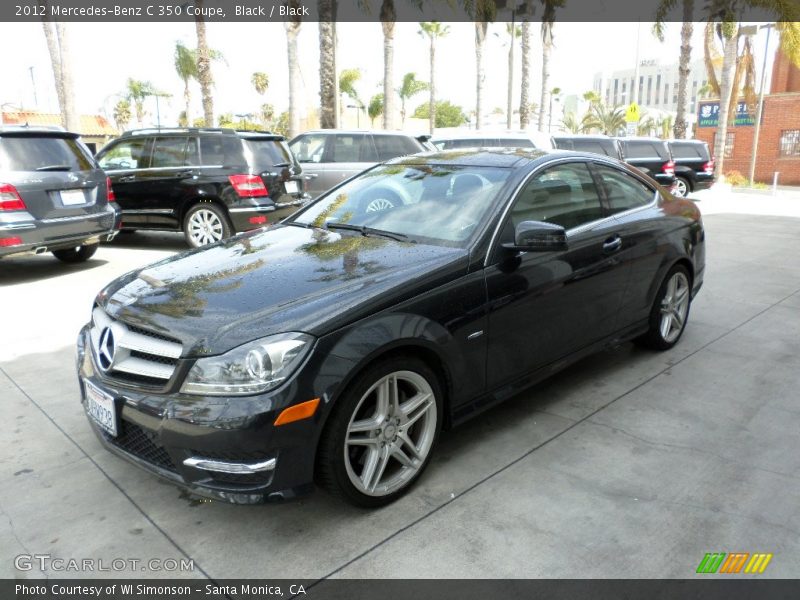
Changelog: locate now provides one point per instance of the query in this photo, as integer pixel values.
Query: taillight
(10, 198)
(668, 168)
(709, 167)
(10, 241)
(110, 195)
(248, 186)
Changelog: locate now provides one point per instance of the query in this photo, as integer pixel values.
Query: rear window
(28, 153)
(222, 150)
(392, 146)
(485, 143)
(646, 150)
(689, 151)
(268, 153)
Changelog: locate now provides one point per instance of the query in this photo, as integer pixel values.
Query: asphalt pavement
(630, 464)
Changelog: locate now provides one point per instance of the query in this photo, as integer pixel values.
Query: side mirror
(536, 236)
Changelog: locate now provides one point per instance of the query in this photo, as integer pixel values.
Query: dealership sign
(708, 114)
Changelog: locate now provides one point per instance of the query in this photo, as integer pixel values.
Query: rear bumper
(26, 234)
(252, 217)
(703, 182)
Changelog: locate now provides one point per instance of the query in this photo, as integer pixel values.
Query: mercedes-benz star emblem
(106, 349)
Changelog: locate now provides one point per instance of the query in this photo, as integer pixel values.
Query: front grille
(135, 440)
(131, 354)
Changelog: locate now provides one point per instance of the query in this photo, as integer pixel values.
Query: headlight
(249, 369)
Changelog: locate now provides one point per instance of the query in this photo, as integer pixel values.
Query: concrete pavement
(629, 464)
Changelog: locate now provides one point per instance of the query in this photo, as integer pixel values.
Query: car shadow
(26, 269)
(150, 240)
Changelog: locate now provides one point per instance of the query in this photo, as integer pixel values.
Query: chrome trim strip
(76, 218)
(7, 226)
(150, 169)
(219, 466)
(253, 209)
(145, 211)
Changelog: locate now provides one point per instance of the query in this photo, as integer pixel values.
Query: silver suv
(53, 195)
(330, 156)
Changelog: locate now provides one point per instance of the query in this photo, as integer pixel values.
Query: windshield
(440, 204)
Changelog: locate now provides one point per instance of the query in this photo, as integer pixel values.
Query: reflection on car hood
(282, 279)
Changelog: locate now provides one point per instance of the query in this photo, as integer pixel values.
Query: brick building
(779, 139)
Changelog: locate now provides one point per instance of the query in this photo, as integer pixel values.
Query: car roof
(167, 131)
(368, 131)
(640, 139)
(487, 157)
(482, 134)
(23, 130)
(687, 142)
(582, 136)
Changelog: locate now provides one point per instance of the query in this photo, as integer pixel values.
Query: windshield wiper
(366, 231)
(55, 168)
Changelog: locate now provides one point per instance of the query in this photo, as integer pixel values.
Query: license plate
(291, 187)
(100, 407)
(72, 197)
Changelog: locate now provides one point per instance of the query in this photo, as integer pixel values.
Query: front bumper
(220, 448)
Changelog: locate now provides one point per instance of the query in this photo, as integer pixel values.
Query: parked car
(208, 183)
(694, 166)
(597, 144)
(330, 156)
(339, 342)
(651, 156)
(53, 195)
(489, 139)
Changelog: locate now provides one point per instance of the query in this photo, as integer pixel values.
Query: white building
(658, 86)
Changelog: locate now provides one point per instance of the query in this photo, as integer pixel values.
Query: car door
(544, 306)
(633, 203)
(124, 161)
(309, 150)
(162, 184)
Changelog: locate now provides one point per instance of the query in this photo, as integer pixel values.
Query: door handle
(612, 244)
(127, 178)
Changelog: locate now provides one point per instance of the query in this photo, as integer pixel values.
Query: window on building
(666, 93)
(658, 88)
(616, 90)
(649, 89)
(790, 142)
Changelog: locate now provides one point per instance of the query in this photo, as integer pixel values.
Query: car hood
(285, 278)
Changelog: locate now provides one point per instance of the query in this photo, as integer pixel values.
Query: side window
(351, 148)
(192, 152)
(623, 191)
(392, 146)
(309, 148)
(125, 155)
(220, 150)
(640, 150)
(564, 195)
(169, 152)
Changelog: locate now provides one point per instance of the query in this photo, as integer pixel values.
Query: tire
(682, 187)
(360, 435)
(669, 316)
(380, 200)
(205, 223)
(78, 254)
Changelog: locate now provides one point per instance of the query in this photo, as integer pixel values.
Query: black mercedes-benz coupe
(335, 346)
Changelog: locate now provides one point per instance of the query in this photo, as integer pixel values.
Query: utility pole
(760, 106)
(33, 83)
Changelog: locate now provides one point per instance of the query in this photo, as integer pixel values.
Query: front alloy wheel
(381, 437)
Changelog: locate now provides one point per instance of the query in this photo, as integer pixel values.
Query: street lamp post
(760, 106)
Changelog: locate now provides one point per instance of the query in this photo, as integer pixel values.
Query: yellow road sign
(632, 114)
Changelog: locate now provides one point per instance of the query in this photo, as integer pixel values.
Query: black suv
(208, 183)
(650, 155)
(597, 144)
(694, 166)
(53, 195)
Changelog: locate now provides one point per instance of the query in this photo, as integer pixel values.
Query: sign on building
(708, 114)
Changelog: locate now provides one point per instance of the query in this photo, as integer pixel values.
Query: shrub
(735, 178)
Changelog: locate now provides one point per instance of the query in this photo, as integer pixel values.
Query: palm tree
(122, 114)
(388, 17)
(555, 94)
(204, 56)
(375, 108)
(484, 12)
(548, 23)
(666, 124)
(513, 32)
(260, 82)
(433, 30)
(411, 87)
(292, 27)
(524, 100)
(137, 92)
(687, 29)
(646, 125)
(605, 119)
(327, 64)
(186, 67)
(571, 124)
(57, 38)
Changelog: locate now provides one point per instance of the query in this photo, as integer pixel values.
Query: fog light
(260, 220)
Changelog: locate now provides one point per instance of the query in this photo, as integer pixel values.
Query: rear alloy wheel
(205, 224)
(670, 311)
(78, 254)
(381, 436)
(681, 188)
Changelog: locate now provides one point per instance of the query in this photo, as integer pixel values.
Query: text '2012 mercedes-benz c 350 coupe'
(334, 347)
